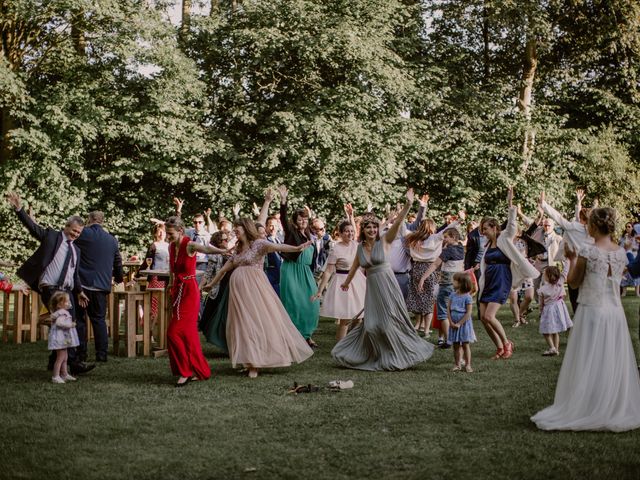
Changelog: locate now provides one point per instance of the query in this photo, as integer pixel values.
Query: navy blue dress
(497, 280)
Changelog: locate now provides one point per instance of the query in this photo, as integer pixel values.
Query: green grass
(126, 420)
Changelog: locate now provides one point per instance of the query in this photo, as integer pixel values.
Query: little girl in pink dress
(554, 315)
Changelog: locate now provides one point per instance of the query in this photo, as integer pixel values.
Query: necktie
(65, 265)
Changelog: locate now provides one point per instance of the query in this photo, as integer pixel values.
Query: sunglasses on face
(198, 221)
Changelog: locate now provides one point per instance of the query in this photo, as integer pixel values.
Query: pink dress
(260, 333)
(554, 317)
(337, 303)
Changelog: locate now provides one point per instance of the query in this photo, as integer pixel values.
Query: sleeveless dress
(260, 334)
(337, 303)
(497, 283)
(297, 286)
(183, 342)
(386, 339)
(598, 386)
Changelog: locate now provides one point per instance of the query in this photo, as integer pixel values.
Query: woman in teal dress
(297, 284)
(386, 339)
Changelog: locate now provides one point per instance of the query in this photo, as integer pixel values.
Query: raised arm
(393, 231)
(423, 201)
(35, 230)
(284, 220)
(348, 210)
(579, 199)
(269, 195)
(512, 227)
(552, 213)
(211, 225)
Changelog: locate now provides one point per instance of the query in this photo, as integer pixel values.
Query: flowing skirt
(598, 386)
(297, 286)
(214, 317)
(339, 304)
(260, 334)
(386, 339)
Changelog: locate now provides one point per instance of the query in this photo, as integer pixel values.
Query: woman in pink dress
(183, 343)
(339, 304)
(260, 333)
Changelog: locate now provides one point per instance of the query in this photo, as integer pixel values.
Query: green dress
(297, 286)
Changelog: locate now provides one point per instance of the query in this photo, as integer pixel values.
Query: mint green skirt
(297, 286)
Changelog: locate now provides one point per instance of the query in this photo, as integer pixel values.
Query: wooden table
(132, 299)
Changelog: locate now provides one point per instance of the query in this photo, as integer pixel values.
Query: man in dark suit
(100, 260)
(54, 267)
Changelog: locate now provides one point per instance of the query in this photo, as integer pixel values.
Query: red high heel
(508, 349)
(499, 353)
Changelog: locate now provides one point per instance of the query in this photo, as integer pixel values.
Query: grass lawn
(126, 420)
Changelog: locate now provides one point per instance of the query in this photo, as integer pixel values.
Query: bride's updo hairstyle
(603, 221)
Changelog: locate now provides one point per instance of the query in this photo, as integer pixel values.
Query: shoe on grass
(57, 379)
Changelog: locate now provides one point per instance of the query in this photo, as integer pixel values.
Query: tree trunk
(6, 125)
(485, 40)
(186, 20)
(77, 34)
(524, 98)
(215, 8)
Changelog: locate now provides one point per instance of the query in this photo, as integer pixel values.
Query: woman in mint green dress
(386, 339)
(297, 284)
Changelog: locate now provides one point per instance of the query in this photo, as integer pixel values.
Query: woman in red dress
(185, 352)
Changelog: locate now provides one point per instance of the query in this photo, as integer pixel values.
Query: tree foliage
(108, 104)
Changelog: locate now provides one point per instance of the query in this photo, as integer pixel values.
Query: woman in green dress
(386, 339)
(297, 284)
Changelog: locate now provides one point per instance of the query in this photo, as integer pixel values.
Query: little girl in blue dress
(461, 332)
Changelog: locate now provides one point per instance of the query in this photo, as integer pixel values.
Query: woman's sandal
(457, 368)
(499, 354)
(468, 369)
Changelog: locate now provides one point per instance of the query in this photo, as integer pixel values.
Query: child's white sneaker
(69, 378)
(57, 379)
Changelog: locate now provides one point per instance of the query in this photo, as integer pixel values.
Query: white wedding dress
(598, 386)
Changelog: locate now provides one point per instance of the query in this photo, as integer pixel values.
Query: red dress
(185, 352)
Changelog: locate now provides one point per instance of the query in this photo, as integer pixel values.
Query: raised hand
(580, 195)
(424, 199)
(369, 207)
(462, 215)
(348, 209)
(541, 198)
(283, 191)
(410, 195)
(236, 210)
(269, 195)
(510, 196)
(596, 202)
(207, 212)
(178, 203)
(14, 200)
(255, 209)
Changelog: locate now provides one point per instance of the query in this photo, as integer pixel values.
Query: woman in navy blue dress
(495, 285)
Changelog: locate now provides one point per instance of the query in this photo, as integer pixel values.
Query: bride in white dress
(598, 386)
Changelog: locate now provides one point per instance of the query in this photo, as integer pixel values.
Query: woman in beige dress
(260, 333)
(339, 304)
